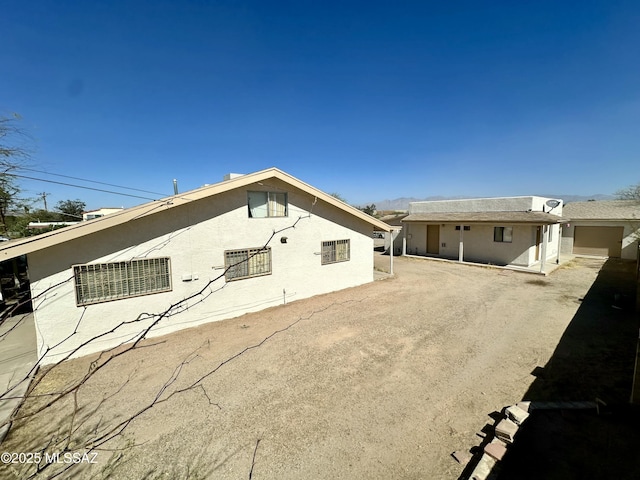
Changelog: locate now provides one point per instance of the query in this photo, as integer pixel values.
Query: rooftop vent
(229, 176)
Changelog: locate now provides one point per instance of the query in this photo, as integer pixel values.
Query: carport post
(461, 245)
(404, 240)
(543, 255)
(391, 252)
(559, 242)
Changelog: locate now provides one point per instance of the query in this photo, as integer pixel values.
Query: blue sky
(372, 100)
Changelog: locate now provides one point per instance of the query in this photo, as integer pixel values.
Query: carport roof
(535, 218)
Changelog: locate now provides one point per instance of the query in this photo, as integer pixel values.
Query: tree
(629, 193)
(71, 210)
(368, 209)
(338, 196)
(12, 153)
(632, 193)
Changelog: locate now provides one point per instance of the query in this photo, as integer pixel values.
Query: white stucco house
(505, 231)
(602, 228)
(100, 212)
(220, 251)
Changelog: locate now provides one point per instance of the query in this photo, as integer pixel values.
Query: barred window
(103, 282)
(248, 262)
(336, 251)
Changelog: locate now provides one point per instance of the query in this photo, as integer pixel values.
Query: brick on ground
(461, 456)
(496, 449)
(516, 414)
(506, 430)
(483, 469)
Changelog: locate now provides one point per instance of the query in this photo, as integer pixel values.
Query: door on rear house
(433, 239)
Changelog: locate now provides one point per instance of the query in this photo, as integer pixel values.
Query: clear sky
(369, 99)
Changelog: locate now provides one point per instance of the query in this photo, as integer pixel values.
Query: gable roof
(603, 210)
(23, 246)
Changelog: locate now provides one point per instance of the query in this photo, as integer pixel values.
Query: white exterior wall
(101, 212)
(195, 237)
(478, 242)
(396, 234)
(498, 204)
(480, 247)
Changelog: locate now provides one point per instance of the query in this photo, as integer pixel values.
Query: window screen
(102, 282)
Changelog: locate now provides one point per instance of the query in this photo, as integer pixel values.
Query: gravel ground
(384, 380)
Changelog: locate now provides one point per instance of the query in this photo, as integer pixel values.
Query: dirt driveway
(382, 381)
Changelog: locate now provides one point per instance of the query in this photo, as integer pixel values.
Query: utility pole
(44, 199)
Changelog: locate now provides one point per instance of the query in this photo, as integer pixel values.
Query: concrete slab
(18, 356)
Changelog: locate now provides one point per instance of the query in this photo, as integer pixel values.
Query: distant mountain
(402, 203)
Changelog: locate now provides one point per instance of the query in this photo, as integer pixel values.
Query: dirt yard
(381, 381)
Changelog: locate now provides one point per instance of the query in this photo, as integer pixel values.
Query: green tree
(368, 209)
(71, 210)
(338, 196)
(13, 152)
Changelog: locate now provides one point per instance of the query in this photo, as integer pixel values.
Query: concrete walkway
(550, 265)
(18, 355)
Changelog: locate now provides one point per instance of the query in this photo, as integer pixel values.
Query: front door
(433, 239)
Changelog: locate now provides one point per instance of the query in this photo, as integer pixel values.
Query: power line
(91, 181)
(80, 186)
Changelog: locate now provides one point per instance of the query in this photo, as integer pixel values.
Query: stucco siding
(479, 244)
(499, 204)
(195, 236)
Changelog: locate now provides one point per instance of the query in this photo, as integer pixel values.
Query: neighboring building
(238, 246)
(518, 231)
(603, 228)
(394, 220)
(100, 212)
(48, 225)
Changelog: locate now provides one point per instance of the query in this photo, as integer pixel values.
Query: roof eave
(24, 246)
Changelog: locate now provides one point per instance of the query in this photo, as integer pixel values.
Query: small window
(246, 263)
(103, 282)
(267, 204)
(550, 232)
(335, 251)
(466, 228)
(503, 234)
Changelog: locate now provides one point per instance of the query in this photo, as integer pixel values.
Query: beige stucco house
(603, 228)
(238, 246)
(515, 231)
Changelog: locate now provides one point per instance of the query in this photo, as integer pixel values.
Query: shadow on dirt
(594, 360)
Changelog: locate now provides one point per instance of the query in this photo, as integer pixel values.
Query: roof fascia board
(16, 248)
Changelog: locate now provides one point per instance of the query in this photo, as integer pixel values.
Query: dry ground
(382, 381)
